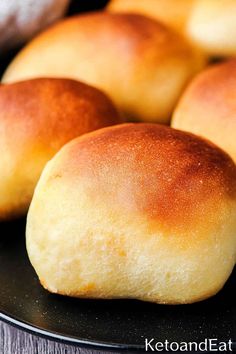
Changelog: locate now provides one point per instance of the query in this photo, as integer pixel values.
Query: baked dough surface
(37, 117)
(135, 211)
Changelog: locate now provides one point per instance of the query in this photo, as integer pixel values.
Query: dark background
(86, 5)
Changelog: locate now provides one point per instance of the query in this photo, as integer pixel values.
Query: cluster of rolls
(125, 210)
(208, 24)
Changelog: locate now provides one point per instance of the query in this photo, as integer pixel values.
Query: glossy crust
(135, 211)
(37, 117)
(208, 106)
(212, 26)
(140, 63)
(174, 13)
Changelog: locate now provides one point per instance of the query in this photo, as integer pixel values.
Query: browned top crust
(172, 177)
(37, 117)
(208, 106)
(142, 64)
(213, 91)
(174, 13)
(132, 31)
(50, 112)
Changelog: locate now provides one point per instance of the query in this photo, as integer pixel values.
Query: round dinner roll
(208, 106)
(174, 13)
(212, 26)
(20, 20)
(135, 211)
(140, 63)
(37, 117)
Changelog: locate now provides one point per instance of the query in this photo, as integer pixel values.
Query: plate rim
(71, 340)
(67, 339)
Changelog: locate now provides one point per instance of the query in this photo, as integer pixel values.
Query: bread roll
(135, 211)
(212, 26)
(208, 107)
(174, 13)
(37, 117)
(21, 20)
(141, 64)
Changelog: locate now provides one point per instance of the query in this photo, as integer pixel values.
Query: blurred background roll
(207, 24)
(212, 26)
(174, 13)
(208, 106)
(37, 117)
(140, 63)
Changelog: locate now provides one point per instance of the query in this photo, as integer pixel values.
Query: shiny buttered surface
(140, 63)
(135, 211)
(208, 106)
(37, 117)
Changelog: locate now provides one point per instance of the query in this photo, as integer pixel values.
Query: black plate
(111, 324)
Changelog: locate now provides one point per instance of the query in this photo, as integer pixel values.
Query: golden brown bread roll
(135, 211)
(212, 26)
(209, 24)
(37, 117)
(174, 13)
(140, 63)
(208, 106)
